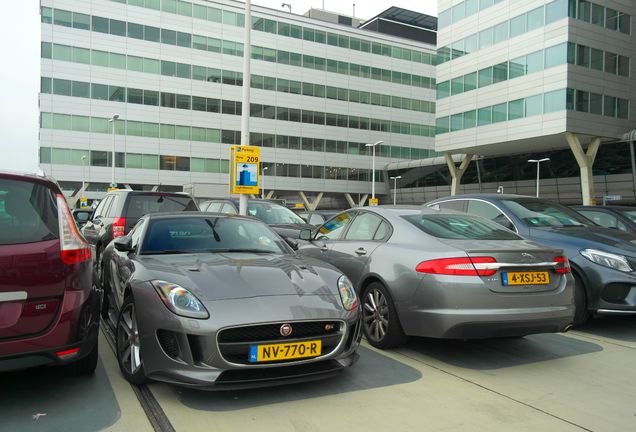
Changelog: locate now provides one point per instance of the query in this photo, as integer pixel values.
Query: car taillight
(119, 227)
(463, 266)
(73, 248)
(563, 265)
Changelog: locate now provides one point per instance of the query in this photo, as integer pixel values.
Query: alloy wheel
(375, 315)
(128, 347)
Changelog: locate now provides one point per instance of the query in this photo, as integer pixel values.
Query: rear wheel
(581, 314)
(128, 344)
(381, 324)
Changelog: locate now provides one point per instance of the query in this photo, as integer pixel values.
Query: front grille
(234, 343)
(256, 376)
(271, 332)
(168, 342)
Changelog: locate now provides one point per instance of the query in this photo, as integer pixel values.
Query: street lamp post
(263, 182)
(395, 179)
(538, 162)
(83, 173)
(372, 145)
(112, 120)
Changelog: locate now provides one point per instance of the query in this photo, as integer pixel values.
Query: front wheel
(128, 344)
(381, 324)
(581, 314)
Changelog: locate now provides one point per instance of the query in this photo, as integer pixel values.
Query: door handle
(361, 251)
(324, 248)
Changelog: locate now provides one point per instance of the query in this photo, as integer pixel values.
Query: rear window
(28, 213)
(140, 205)
(460, 227)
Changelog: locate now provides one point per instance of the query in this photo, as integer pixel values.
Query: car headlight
(347, 293)
(179, 300)
(617, 262)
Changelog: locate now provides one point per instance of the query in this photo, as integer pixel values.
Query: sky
(20, 71)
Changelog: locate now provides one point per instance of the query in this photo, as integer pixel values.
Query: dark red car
(49, 307)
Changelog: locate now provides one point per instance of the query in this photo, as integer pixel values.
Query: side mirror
(82, 216)
(305, 234)
(123, 244)
(291, 242)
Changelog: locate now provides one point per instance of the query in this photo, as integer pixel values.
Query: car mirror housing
(123, 244)
(305, 234)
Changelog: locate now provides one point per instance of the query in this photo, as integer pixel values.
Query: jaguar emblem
(286, 330)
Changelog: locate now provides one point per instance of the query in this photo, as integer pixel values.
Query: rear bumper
(47, 357)
(488, 323)
(76, 326)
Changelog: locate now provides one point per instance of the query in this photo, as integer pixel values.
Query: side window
(601, 218)
(457, 205)
(333, 228)
(112, 208)
(135, 234)
(490, 212)
(363, 227)
(100, 211)
(316, 219)
(228, 209)
(214, 207)
(382, 231)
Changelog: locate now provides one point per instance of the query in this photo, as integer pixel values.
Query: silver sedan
(424, 272)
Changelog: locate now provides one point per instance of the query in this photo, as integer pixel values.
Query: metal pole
(538, 165)
(83, 174)
(245, 109)
(263, 182)
(112, 176)
(632, 137)
(394, 190)
(373, 174)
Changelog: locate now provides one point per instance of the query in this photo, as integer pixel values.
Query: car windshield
(460, 227)
(540, 213)
(629, 214)
(210, 234)
(273, 214)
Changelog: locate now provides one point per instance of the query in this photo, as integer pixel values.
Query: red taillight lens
(73, 248)
(67, 353)
(464, 266)
(563, 265)
(119, 227)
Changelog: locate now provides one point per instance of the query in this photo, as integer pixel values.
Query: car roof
(400, 210)
(195, 214)
(141, 192)
(491, 196)
(600, 207)
(33, 177)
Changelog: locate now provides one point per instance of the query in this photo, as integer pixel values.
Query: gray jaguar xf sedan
(217, 302)
(424, 272)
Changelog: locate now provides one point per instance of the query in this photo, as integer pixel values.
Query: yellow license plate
(284, 351)
(525, 278)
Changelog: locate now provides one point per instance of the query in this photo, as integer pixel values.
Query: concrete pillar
(352, 203)
(73, 199)
(455, 172)
(155, 188)
(311, 206)
(585, 160)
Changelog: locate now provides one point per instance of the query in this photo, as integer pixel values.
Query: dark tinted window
(139, 205)
(457, 205)
(539, 213)
(460, 227)
(135, 234)
(28, 213)
(220, 234)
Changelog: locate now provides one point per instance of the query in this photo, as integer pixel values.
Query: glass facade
(557, 100)
(214, 75)
(187, 40)
(537, 18)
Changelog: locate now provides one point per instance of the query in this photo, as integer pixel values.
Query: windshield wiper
(245, 250)
(168, 252)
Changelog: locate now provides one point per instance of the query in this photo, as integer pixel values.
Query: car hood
(605, 239)
(222, 276)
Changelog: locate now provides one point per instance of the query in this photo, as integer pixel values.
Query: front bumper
(609, 291)
(185, 351)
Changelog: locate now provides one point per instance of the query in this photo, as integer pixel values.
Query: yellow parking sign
(245, 162)
(373, 201)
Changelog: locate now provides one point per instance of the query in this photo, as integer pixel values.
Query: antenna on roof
(354, 10)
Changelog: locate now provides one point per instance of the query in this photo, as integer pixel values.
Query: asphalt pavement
(583, 380)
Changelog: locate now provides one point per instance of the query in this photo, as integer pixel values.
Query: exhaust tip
(567, 328)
